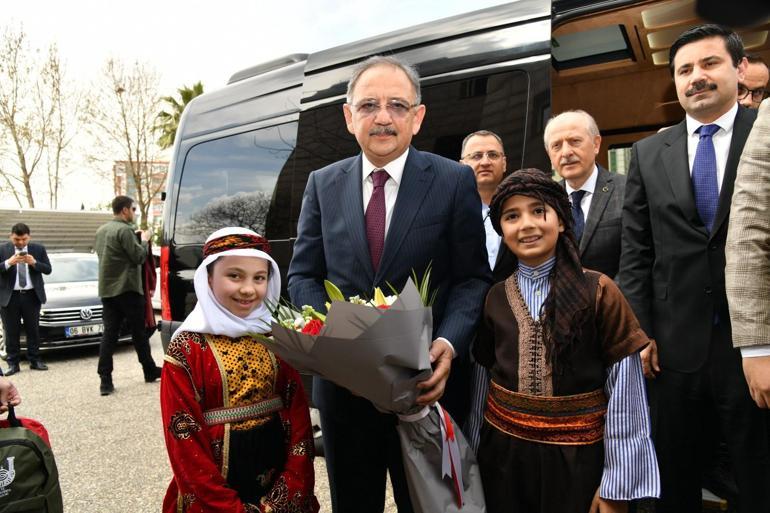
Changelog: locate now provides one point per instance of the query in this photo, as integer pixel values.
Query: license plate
(77, 331)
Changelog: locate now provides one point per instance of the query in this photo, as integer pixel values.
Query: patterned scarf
(567, 306)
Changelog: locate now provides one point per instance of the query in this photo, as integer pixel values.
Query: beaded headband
(235, 241)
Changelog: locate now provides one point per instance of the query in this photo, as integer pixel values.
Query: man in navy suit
(369, 221)
(21, 294)
(672, 271)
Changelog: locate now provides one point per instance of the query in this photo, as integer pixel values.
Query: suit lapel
(415, 183)
(741, 129)
(674, 159)
(601, 196)
(500, 250)
(350, 183)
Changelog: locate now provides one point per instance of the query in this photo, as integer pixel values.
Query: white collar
(589, 185)
(725, 121)
(395, 168)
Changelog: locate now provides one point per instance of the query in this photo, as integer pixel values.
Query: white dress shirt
(722, 139)
(29, 281)
(589, 186)
(493, 239)
(395, 169)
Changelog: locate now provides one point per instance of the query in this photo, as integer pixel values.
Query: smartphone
(22, 253)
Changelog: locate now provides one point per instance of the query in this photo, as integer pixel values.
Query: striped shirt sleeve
(479, 388)
(630, 464)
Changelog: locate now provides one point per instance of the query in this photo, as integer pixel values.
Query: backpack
(29, 480)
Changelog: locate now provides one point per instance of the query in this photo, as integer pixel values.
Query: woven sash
(561, 420)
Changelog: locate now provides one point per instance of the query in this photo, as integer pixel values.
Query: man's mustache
(570, 160)
(382, 130)
(699, 87)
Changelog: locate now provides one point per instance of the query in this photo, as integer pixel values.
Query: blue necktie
(577, 214)
(704, 176)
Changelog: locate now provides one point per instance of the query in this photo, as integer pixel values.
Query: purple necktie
(375, 217)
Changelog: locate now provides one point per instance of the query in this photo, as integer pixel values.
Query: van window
(231, 182)
(497, 102)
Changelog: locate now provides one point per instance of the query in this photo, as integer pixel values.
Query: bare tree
(65, 124)
(25, 113)
(123, 115)
(246, 209)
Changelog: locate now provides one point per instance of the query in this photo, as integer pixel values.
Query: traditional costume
(236, 420)
(566, 410)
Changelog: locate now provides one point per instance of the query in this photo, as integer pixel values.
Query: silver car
(72, 315)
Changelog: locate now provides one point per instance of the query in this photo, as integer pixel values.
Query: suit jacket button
(707, 290)
(713, 247)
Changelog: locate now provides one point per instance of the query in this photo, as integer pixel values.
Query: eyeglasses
(757, 95)
(492, 155)
(396, 108)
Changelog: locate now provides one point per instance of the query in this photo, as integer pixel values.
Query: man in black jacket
(21, 294)
(672, 271)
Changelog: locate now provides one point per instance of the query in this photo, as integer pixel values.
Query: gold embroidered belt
(241, 413)
(563, 420)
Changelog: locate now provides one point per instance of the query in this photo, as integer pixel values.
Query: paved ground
(109, 450)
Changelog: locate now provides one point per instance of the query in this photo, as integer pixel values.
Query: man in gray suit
(572, 141)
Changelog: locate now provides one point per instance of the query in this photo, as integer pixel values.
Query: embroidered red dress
(237, 428)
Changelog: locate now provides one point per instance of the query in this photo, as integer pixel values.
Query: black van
(243, 153)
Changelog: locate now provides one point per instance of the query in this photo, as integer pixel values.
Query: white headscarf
(209, 316)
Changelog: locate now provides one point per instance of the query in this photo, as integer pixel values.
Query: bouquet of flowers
(378, 349)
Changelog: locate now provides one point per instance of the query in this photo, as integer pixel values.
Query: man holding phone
(23, 264)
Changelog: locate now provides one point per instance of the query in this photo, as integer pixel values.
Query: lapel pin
(605, 189)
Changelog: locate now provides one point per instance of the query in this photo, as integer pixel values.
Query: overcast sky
(205, 40)
(199, 40)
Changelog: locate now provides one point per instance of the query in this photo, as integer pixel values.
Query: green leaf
(333, 292)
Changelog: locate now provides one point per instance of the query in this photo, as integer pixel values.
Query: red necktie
(375, 217)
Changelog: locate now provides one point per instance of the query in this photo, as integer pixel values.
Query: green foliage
(423, 286)
(167, 122)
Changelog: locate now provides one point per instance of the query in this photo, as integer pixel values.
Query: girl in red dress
(235, 417)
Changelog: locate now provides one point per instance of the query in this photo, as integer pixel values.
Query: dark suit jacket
(672, 268)
(8, 276)
(435, 221)
(505, 263)
(600, 243)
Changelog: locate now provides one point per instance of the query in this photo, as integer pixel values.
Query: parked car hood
(71, 294)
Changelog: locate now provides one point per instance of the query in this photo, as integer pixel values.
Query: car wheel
(3, 351)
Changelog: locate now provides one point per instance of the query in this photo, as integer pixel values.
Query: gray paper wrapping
(381, 355)
(376, 354)
(422, 456)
